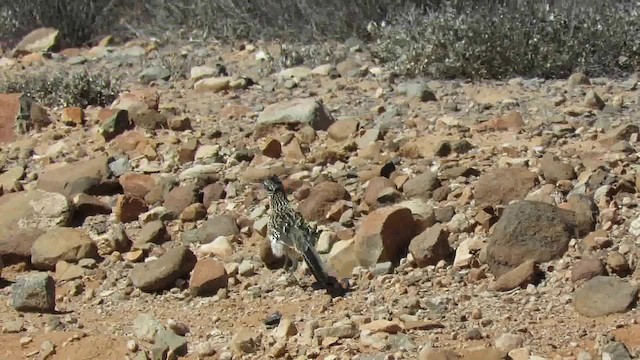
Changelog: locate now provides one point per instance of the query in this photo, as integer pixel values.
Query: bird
(291, 236)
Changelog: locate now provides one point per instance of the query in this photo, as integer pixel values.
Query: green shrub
(501, 41)
(78, 89)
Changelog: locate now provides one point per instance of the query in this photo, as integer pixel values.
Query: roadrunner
(290, 235)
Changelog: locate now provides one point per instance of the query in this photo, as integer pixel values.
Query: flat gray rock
(162, 273)
(604, 295)
(34, 292)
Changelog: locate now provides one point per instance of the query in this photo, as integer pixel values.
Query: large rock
(529, 230)
(84, 176)
(343, 258)
(430, 246)
(39, 40)
(9, 110)
(162, 273)
(320, 200)
(384, 235)
(137, 184)
(554, 170)
(68, 244)
(501, 186)
(209, 276)
(299, 111)
(180, 197)
(219, 225)
(604, 295)
(9, 180)
(34, 292)
(25, 216)
(523, 275)
(422, 185)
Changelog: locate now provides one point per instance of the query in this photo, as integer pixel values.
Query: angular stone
(604, 295)
(526, 273)
(37, 41)
(554, 170)
(320, 200)
(136, 184)
(153, 232)
(422, 185)
(209, 276)
(430, 246)
(344, 128)
(25, 217)
(529, 230)
(72, 116)
(586, 269)
(384, 235)
(145, 327)
(501, 186)
(218, 225)
(84, 176)
(68, 244)
(113, 123)
(128, 208)
(299, 111)
(162, 273)
(10, 179)
(180, 197)
(34, 292)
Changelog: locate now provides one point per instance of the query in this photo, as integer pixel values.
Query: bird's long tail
(314, 262)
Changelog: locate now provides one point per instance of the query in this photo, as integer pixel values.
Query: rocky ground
(472, 220)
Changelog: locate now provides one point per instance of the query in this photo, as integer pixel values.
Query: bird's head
(273, 185)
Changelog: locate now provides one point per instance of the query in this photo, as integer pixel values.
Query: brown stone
(272, 149)
(72, 116)
(137, 184)
(384, 235)
(526, 273)
(180, 197)
(209, 276)
(430, 246)
(320, 200)
(501, 186)
(586, 269)
(129, 207)
(344, 128)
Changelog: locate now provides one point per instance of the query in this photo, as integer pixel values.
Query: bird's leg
(292, 271)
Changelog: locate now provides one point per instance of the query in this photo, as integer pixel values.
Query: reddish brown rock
(180, 197)
(422, 185)
(379, 187)
(213, 192)
(343, 128)
(526, 273)
(293, 150)
(509, 121)
(430, 246)
(586, 269)
(529, 230)
(84, 176)
(501, 186)
(129, 207)
(272, 149)
(193, 212)
(72, 116)
(137, 184)
(209, 276)
(321, 198)
(9, 109)
(384, 235)
(554, 170)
